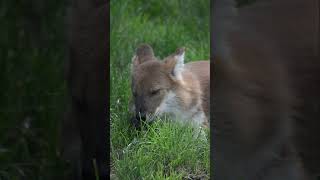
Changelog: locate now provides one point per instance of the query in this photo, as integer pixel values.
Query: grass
(163, 150)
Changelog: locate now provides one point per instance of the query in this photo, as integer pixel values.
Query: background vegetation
(164, 150)
(32, 86)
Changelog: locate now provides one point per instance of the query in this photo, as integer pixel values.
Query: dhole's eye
(155, 92)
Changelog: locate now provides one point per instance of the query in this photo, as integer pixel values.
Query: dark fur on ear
(143, 53)
(180, 51)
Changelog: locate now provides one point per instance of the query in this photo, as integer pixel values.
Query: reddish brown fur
(201, 70)
(149, 73)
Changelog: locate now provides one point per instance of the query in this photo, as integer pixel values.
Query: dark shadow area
(32, 90)
(265, 92)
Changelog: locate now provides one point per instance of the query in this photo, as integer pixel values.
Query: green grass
(164, 150)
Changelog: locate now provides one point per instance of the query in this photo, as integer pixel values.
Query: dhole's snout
(140, 113)
(140, 108)
(137, 120)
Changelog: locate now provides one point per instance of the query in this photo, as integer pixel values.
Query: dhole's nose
(140, 108)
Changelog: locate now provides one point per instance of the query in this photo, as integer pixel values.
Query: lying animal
(170, 87)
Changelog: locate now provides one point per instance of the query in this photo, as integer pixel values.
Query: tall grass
(164, 150)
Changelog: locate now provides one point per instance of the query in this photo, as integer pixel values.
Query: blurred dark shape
(85, 130)
(266, 90)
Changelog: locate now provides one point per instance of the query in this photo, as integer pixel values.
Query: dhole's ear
(143, 53)
(175, 63)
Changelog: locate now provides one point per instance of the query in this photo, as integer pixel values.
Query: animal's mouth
(141, 117)
(145, 118)
(138, 120)
(151, 117)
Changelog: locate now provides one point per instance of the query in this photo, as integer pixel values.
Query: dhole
(170, 87)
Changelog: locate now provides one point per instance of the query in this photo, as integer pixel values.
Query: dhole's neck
(187, 97)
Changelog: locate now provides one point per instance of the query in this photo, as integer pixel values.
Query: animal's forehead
(154, 64)
(148, 74)
(148, 70)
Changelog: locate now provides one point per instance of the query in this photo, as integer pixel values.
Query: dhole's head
(154, 81)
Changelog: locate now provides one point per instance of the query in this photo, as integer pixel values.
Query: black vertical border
(108, 138)
(212, 72)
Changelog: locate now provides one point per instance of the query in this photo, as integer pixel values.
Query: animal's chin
(160, 115)
(151, 117)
